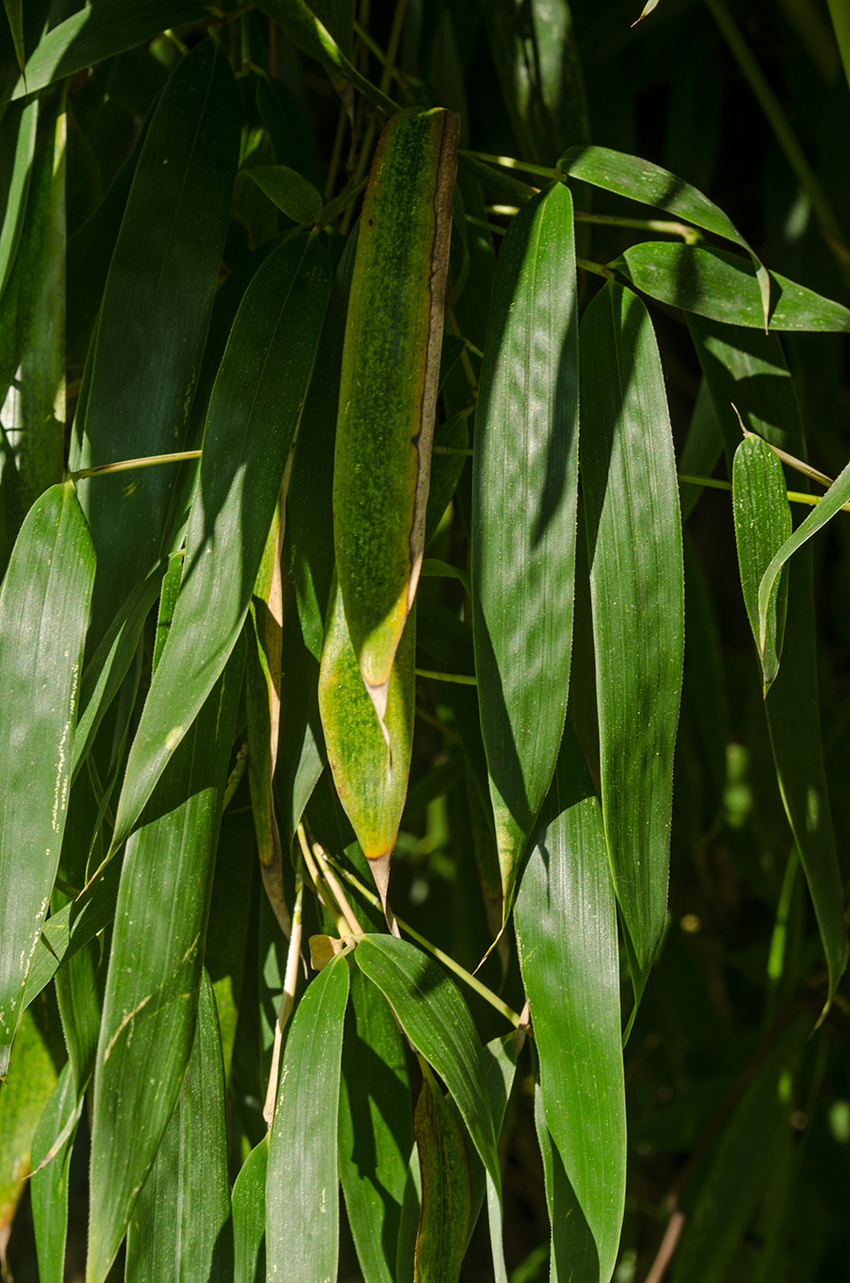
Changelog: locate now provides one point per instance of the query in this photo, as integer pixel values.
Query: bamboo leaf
(249, 1216)
(21, 122)
(292, 194)
(375, 1132)
(15, 14)
(49, 1184)
(155, 968)
(32, 326)
(436, 1020)
(832, 502)
(445, 1192)
(749, 369)
(524, 517)
(310, 35)
(98, 31)
(724, 287)
(44, 609)
(566, 925)
(388, 386)
(150, 342)
(649, 184)
(181, 1227)
(251, 423)
(762, 524)
(302, 1184)
(23, 1098)
(371, 788)
(637, 589)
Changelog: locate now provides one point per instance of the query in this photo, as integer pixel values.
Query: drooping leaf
(312, 37)
(150, 340)
(44, 610)
(180, 1228)
(388, 385)
(375, 1131)
(251, 422)
(302, 1182)
(725, 287)
(642, 181)
(748, 369)
(637, 587)
(524, 517)
(97, 32)
(249, 1216)
(290, 192)
(371, 785)
(762, 524)
(155, 968)
(445, 1189)
(566, 926)
(436, 1020)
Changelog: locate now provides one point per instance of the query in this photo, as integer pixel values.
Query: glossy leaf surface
(524, 517)
(762, 524)
(637, 587)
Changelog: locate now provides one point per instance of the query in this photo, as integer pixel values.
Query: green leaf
(49, 1184)
(749, 369)
(724, 287)
(371, 784)
(310, 35)
(566, 924)
(97, 32)
(637, 588)
(21, 123)
(302, 1184)
(534, 52)
(293, 195)
(15, 15)
(181, 1227)
(32, 326)
(44, 610)
(23, 1098)
(446, 1189)
(388, 384)
(831, 503)
(762, 524)
(524, 517)
(251, 423)
(249, 1216)
(150, 341)
(375, 1131)
(649, 184)
(742, 1164)
(437, 1021)
(155, 968)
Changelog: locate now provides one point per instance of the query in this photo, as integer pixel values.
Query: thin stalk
(794, 496)
(778, 940)
(488, 227)
(333, 882)
(458, 678)
(471, 981)
(598, 269)
(839, 11)
(509, 162)
(318, 885)
(342, 202)
(690, 235)
(287, 1001)
(336, 154)
(780, 123)
(235, 776)
(128, 465)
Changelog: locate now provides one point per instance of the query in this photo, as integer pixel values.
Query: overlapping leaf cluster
(218, 403)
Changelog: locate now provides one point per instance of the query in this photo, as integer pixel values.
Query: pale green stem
(128, 465)
(458, 678)
(508, 162)
(690, 235)
(598, 269)
(794, 496)
(778, 120)
(287, 1000)
(471, 981)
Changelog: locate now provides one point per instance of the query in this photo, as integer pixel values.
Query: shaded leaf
(22, 120)
(249, 1217)
(44, 610)
(445, 1188)
(23, 1098)
(180, 1228)
(524, 517)
(637, 588)
(49, 1184)
(251, 422)
(724, 287)
(292, 194)
(302, 1183)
